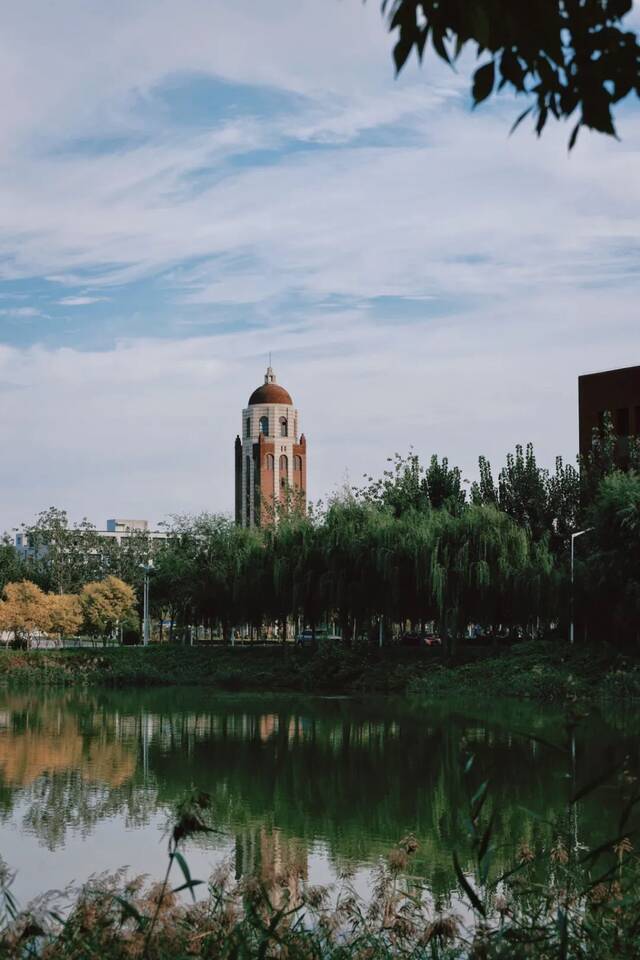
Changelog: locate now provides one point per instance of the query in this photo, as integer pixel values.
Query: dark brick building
(615, 391)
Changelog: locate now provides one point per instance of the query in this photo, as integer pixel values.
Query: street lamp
(146, 625)
(573, 537)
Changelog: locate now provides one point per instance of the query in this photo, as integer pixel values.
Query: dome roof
(270, 392)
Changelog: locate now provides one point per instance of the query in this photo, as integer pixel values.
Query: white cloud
(147, 429)
(523, 258)
(469, 211)
(21, 312)
(80, 301)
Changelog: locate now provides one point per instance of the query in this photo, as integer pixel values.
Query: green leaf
(564, 933)
(624, 816)
(438, 38)
(484, 842)
(485, 866)
(129, 912)
(189, 884)
(595, 783)
(401, 52)
(605, 847)
(513, 870)
(466, 886)
(601, 879)
(478, 799)
(574, 135)
(483, 81)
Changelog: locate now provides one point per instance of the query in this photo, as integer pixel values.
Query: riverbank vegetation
(555, 898)
(539, 670)
(410, 551)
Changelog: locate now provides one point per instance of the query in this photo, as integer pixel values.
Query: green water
(303, 788)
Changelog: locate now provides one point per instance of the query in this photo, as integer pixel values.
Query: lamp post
(146, 625)
(579, 533)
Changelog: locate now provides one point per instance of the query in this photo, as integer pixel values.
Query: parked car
(432, 640)
(414, 639)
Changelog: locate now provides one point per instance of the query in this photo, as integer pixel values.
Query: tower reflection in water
(344, 779)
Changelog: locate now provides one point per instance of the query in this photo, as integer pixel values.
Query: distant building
(271, 458)
(126, 526)
(613, 391)
(117, 530)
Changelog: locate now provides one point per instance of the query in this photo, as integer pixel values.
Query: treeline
(414, 547)
(411, 547)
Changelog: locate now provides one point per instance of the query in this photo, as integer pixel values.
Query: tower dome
(270, 391)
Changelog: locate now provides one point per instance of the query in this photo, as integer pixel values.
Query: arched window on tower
(248, 427)
(284, 470)
(297, 464)
(269, 462)
(264, 426)
(284, 427)
(248, 488)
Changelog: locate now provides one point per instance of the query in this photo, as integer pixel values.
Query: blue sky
(185, 188)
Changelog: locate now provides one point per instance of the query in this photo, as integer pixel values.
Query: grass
(548, 670)
(542, 670)
(327, 669)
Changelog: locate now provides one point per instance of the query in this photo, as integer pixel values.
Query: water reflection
(293, 781)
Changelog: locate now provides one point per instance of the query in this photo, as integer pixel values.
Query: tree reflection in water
(288, 774)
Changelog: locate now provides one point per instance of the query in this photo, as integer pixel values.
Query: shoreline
(545, 671)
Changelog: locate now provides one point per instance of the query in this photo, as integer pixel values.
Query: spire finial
(269, 376)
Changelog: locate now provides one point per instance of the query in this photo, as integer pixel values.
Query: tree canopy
(412, 547)
(567, 58)
(28, 613)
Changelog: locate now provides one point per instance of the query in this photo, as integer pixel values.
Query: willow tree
(173, 581)
(477, 560)
(356, 591)
(221, 559)
(295, 555)
(404, 555)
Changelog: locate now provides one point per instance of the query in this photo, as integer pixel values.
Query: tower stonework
(270, 455)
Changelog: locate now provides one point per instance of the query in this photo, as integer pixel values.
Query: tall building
(612, 391)
(271, 456)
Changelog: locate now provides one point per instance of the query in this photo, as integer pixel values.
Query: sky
(188, 186)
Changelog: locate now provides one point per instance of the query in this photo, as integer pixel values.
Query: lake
(302, 788)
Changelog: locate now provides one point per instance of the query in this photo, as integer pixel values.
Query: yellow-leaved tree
(24, 613)
(108, 604)
(65, 615)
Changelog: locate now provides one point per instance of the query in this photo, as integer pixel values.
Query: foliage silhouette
(565, 57)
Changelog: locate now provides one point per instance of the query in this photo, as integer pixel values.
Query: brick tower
(271, 459)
